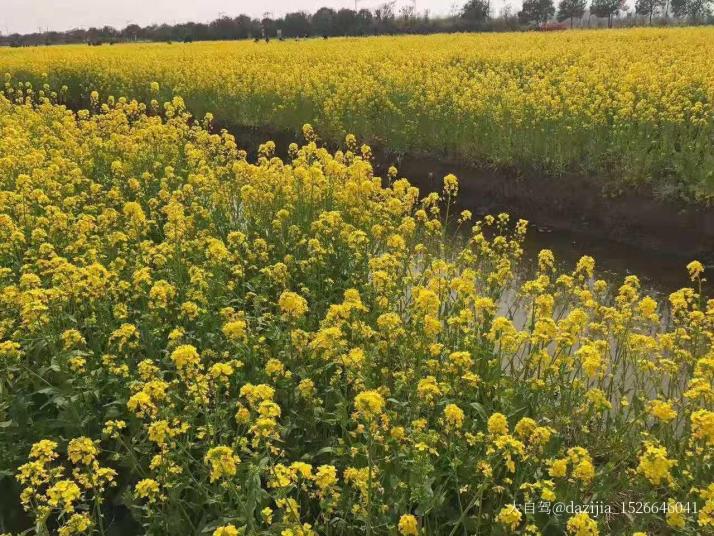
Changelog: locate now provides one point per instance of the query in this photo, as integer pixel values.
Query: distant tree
(407, 12)
(571, 9)
(95, 36)
(384, 17)
(345, 22)
(408, 20)
(476, 10)
(246, 27)
(323, 21)
(607, 8)
(364, 21)
(385, 11)
(649, 8)
(77, 35)
(224, 28)
(506, 11)
(202, 32)
(109, 33)
(269, 26)
(296, 24)
(679, 8)
(538, 11)
(164, 32)
(132, 32)
(698, 10)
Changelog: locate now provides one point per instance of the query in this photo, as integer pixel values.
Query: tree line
(542, 11)
(475, 15)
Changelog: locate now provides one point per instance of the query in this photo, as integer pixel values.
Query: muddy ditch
(631, 233)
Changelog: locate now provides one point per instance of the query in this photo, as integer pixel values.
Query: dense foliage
(194, 343)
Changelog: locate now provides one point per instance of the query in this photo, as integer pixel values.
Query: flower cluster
(629, 105)
(197, 343)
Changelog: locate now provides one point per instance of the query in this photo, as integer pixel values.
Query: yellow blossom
(369, 404)
(408, 525)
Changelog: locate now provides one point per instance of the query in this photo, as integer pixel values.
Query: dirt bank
(571, 204)
(576, 204)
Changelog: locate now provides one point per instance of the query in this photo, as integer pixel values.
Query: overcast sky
(29, 15)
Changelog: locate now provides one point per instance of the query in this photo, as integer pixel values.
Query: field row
(632, 107)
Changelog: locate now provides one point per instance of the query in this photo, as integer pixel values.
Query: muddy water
(632, 233)
(627, 234)
(659, 272)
